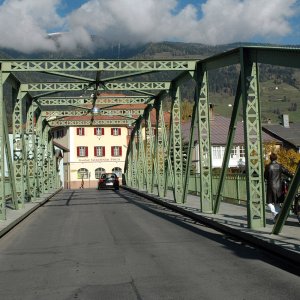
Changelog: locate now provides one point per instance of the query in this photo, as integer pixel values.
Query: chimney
(211, 112)
(285, 121)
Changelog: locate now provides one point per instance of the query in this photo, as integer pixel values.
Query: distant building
(219, 127)
(288, 133)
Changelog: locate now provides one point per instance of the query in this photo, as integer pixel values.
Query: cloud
(24, 24)
(136, 21)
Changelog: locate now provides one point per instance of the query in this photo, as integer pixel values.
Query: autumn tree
(288, 158)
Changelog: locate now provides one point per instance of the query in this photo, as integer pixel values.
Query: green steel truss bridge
(43, 93)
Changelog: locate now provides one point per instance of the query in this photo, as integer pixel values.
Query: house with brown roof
(219, 128)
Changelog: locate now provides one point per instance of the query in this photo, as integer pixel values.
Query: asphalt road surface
(89, 244)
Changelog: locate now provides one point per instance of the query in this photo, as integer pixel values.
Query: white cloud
(134, 21)
(24, 24)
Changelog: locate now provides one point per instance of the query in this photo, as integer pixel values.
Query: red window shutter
(112, 131)
(103, 151)
(77, 129)
(102, 131)
(95, 131)
(95, 151)
(82, 131)
(119, 131)
(86, 151)
(120, 151)
(112, 151)
(77, 150)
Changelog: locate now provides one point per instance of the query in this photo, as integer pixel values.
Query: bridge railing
(234, 187)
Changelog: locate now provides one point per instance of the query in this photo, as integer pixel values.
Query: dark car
(108, 181)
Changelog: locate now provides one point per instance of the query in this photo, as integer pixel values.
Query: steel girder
(2, 160)
(175, 146)
(202, 103)
(19, 146)
(108, 100)
(97, 65)
(105, 112)
(82, 86)
(56, 123)
(253, 142)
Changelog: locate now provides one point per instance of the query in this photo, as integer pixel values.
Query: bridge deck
(90, 244)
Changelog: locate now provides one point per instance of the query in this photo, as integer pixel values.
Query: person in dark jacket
(273, 176)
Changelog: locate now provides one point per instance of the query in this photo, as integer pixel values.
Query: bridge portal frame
(162, 151)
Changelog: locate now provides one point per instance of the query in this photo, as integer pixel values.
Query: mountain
(277, 84)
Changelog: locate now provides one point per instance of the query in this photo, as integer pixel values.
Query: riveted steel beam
(104, 112)
(79, 86)
(109, 100)
(253, 142)
(97, 65)
(56, 123)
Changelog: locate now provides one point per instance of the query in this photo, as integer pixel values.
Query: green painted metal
(285, 209)
(56, 123)
(253, 142)
(30, 150)
(104, 112)
(19, 146)
(140, 156)
(97, 65)
(107, 100)
(9, 161)
(177, 146)
(206, 198)
(159, 148)
(231, 132)
(39, 160)
(191, 145)
(2, 142)
(149, 149)
(79, 86)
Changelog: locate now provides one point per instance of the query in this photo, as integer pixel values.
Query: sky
(25, 25)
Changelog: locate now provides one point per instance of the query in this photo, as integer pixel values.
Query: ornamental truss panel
(113, 112)
(101, 100)
(137, 65)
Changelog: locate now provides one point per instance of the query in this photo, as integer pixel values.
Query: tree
(289, 158)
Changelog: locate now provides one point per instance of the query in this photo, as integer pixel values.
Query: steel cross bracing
(54, 101)
(32, 167)
(80, 86)
(112, 112)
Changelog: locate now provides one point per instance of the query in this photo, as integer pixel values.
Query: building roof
(219, 127)
(61, 146)
(290, 135)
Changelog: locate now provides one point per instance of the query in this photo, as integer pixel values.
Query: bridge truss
(154, 159)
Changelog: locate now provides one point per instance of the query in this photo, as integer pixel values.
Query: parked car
(108, 181)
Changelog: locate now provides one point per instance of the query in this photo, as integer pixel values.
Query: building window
(99, 151)
(82, 173)
(116, 131)
(98, 131)
(118, 171)
(116, 151)
(98, 172)
(82, 151)
(234, 152)
(80, 131)
(242, 151)
(218, 152)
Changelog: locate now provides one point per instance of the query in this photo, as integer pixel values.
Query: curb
(27, 213)
(246, 237)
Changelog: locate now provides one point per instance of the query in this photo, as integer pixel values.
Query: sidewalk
(13, 217)
(232, 219)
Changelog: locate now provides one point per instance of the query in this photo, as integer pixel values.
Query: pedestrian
(273, 176)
